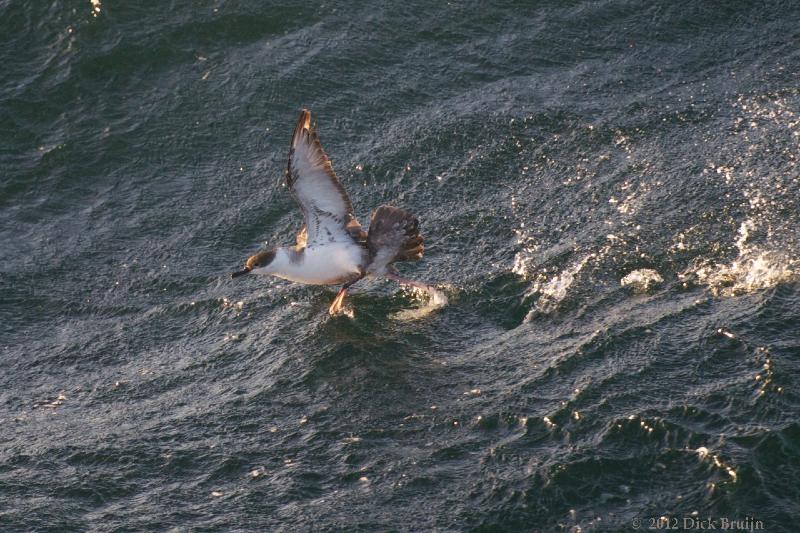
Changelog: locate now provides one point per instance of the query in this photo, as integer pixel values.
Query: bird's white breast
(325, 264)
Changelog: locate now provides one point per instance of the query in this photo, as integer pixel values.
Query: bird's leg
(338, 302)
(410, 282)
(336, 306)
(436, 298)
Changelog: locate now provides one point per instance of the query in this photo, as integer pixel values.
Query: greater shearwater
(332, 248)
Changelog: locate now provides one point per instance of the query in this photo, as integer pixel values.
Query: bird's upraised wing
(327, 209)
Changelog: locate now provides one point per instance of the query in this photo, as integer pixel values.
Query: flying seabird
(332, 248)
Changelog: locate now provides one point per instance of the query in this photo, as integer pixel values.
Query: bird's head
(259, 263)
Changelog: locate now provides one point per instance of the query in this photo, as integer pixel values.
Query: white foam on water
(641, 280)
(552, 291)
(435, 299)
(767, 245)
(347, 311)
(528, 247)
(755, 268)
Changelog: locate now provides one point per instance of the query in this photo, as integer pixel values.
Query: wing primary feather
(327, 209)
(303, 125)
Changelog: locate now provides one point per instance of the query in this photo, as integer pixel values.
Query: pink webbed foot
(338, 302)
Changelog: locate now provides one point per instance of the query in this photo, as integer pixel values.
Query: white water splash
(528, 247)
(755, 268)
(767, 242)
(347, 311)
(642, 280)
(436, 299)
(553, 291)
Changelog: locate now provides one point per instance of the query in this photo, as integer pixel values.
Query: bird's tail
(393, 236)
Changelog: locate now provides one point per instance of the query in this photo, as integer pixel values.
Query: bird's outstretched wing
(393, 236)
(327, 209)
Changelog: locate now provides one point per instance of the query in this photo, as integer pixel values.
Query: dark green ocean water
(550, 150)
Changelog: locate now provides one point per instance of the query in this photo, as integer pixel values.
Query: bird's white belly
(326, 265)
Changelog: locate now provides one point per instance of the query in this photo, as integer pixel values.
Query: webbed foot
(338, 303)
